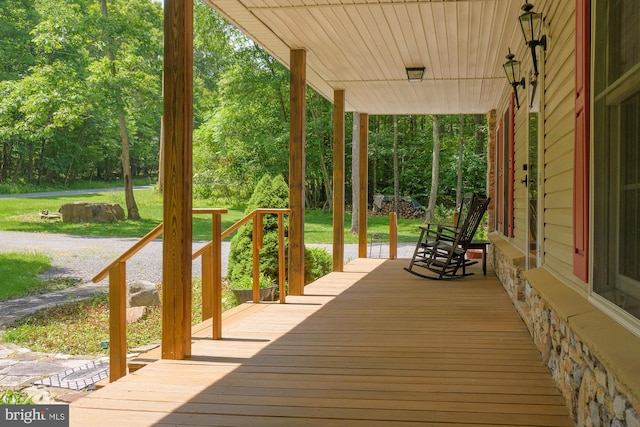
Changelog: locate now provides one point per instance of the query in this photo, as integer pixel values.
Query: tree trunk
(460, 159)
(324, 170)
(478, 120)
(41, 168)
(5, 164)
(132, 208)
(396, 174)
(355, 172)
(161, 155)
(435, 167)
(374, 165)
(31, 162)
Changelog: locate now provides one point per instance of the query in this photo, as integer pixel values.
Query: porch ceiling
(364, 46)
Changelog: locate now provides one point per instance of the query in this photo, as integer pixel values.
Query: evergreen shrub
(269, 193)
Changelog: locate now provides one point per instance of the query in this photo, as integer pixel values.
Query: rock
(142, 293)
(135, 313)
(632, 418)
(91, 212)
(619, 406)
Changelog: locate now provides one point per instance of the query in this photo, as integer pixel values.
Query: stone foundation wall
(594, 395)
(591, 391)
(509, 274)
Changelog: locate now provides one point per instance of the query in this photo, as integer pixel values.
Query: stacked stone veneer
(509, 272)
(593, 394)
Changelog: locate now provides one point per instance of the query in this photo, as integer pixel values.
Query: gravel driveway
(83, 257)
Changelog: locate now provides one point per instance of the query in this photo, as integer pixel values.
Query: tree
(319, 189)
(56, 112)
(355, 172)
(460, 159)
(435, 169)
(132, 207)
(17, 19)
(396, 172)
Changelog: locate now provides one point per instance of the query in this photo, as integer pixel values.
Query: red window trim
(582, 142)
(500, 176)
(511, 192)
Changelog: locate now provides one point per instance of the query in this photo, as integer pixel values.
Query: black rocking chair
(442, 250)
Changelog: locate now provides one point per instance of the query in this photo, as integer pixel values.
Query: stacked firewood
(407, 208)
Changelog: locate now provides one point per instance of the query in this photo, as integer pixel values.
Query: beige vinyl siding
(520, 191)
(559, 141)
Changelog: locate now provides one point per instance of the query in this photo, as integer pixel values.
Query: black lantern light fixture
(512, 70)
(531, 24)
(415, 74)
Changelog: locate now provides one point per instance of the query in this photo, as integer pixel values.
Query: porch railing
(211, 254)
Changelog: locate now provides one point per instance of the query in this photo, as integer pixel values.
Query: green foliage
(60, 96)
(246, 282)
(317, 263)
(15, 397)
(77, 328)
(269, 193)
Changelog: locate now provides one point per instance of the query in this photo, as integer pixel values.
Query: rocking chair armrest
(440, 231)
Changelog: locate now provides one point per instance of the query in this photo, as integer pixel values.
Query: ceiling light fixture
(415, 74)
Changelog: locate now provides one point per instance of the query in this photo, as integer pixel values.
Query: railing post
(281, 272)
(216, 262)
(117, 322)
(257, 245)
(212, 271)
(207, 283)
(393, 235)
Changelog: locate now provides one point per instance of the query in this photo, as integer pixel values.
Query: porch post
(364, 187)
(296, 170)
(338, 180)
(176, 242)
(491, 167)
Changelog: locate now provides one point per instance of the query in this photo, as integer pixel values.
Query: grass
(78, 328)
(15, 397)
(20, 275)
(21, 214)
(8, 188)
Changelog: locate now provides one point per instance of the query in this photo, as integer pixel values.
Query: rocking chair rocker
(442, 250)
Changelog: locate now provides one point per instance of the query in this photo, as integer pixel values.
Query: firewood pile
(408, 208)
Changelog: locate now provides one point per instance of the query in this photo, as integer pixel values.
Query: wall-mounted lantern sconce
(531, 24)
(415, 74)
(512, 70)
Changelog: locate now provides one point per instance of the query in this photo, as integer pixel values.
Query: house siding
(592, 358)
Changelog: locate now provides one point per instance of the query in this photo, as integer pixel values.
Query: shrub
(317, 263)
(269, 193)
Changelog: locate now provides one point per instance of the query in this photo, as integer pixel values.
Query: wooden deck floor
(373, 346)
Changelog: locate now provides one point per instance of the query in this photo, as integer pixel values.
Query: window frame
(612, 94)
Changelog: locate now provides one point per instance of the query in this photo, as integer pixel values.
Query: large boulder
(91, 212)
(142, 293)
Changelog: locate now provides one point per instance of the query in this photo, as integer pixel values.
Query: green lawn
(20, 272)
(20, 275)
(21, 214)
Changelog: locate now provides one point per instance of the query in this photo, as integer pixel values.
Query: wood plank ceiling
(364, 46)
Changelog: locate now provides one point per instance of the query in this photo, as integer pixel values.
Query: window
(616, 149)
